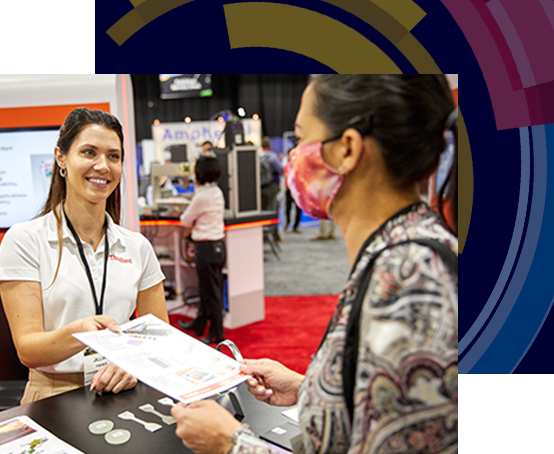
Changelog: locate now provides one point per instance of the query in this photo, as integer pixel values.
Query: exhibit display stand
(244, 222)
(245, 275)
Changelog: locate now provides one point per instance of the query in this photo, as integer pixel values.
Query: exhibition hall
(226, 263)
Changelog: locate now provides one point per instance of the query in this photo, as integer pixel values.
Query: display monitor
(26, 163)
(174, 86)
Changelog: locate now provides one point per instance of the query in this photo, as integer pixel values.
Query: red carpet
(291, 332)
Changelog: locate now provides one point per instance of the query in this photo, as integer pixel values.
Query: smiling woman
(54, 276)
(92, 169)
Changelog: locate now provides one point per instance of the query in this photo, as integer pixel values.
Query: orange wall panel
(26, 117)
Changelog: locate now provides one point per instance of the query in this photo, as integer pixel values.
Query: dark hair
(404, 113)
(266, 143)
(207, 142)
(207, 170)
(72, 126)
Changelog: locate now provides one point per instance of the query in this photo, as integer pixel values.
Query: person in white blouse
(73, 268)
(204, 220)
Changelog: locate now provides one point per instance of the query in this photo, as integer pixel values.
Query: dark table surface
(68, 416)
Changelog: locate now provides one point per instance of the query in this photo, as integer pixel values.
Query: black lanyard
(98, 306)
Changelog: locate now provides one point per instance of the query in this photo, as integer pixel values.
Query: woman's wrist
(243, 428)
(72, 343)
(298, 382)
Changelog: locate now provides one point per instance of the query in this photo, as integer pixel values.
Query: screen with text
(26, 163)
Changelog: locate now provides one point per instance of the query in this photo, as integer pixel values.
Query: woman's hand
(98, 323)
(272, 382)
(205, 426)
(111, 378)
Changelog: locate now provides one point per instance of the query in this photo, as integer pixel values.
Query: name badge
(92, 362)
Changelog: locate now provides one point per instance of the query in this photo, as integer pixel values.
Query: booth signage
(195, 133)
(185, 85)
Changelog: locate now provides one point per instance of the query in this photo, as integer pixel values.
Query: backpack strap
(350, 360)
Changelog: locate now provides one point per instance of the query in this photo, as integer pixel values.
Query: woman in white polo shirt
(74, 269)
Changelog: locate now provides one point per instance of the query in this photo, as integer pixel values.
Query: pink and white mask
(312, 182)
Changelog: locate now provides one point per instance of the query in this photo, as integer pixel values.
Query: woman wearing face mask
(74, 269)
(365, 141)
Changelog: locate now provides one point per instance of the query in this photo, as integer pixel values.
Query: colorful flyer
(22, 435)
(166, 359)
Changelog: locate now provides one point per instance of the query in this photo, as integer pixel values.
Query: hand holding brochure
(166, 359)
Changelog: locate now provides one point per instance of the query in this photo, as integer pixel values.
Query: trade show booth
(32, 108)
(244, 222)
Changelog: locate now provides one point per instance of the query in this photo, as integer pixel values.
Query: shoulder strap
(350, 360)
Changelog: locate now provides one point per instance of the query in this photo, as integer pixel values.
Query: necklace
(89, 241)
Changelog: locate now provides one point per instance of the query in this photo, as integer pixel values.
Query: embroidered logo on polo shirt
(119, 259)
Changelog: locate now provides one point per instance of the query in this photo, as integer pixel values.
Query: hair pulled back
(405, 113)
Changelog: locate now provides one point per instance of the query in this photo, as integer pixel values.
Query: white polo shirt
(29, 252)
(205, 213)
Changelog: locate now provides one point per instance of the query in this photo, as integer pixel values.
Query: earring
(342, 169)
(63, 172)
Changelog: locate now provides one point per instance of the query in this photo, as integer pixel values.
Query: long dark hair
(404, 113)
(72, 126)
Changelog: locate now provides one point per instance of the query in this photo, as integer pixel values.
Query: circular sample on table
(100, 427)
(118, 436)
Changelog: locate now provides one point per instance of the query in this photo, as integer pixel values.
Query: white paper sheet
(22, 435)
(291, 414)
(166, 359)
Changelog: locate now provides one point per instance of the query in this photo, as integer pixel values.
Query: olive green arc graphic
(307, 33)
(393, 19)
(145, 11)
(346, 52)
(465, 184)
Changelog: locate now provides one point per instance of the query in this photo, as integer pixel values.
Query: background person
(204, 219)
(208, 149)
(326, 230)
(74, 269)
(289, 204)
(270, 191)
(165, 183)
(365, 141)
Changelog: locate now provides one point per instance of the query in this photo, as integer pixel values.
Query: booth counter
(245, 276)
(69, 415)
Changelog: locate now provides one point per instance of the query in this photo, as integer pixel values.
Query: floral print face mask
(312, 182)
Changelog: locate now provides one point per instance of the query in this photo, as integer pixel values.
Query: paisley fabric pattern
(313, 184)
(406, 391)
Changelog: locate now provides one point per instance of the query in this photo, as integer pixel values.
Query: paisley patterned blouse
(406, 391)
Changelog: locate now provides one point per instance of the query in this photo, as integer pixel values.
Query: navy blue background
(195, 36)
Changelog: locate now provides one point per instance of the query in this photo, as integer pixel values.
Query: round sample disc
(118, 436)
(100, 427)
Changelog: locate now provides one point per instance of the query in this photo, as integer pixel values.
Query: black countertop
(68, 416)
